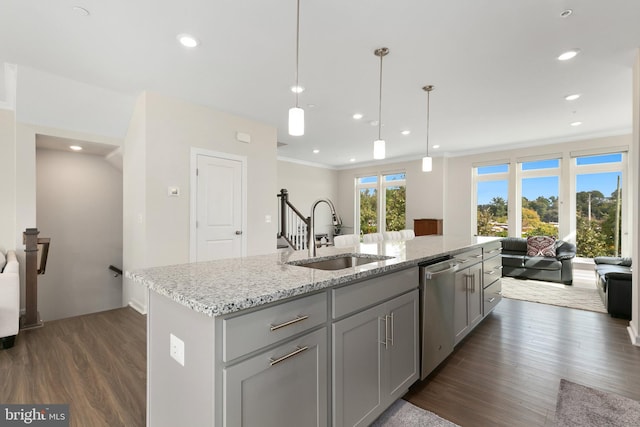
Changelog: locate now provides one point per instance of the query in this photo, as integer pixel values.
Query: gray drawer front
(492, 296)
(468, 258)
(491, 249)
(248, 332)
(351, 298)
(492, 268)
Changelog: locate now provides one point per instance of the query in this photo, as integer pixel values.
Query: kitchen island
(259, 341)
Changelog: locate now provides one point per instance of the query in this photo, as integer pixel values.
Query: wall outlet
(176, 349)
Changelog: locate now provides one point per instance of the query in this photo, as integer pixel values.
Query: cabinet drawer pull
(491, 272)
(494, 251)
(290, 322)
(462, 260)
(297, 351)
(478, 256)
(492, 299)
(391, 335)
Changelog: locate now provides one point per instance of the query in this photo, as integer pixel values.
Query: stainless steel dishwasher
(437, 281)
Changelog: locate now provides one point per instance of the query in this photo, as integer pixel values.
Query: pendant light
(378, 144)
(296, 114)
(427, 162)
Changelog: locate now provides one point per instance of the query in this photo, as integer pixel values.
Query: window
(540, 187)
(598, 205)
(492, 189)
(386, 213)
(367, 190)
(394, 201)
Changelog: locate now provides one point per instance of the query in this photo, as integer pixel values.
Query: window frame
(380, 186)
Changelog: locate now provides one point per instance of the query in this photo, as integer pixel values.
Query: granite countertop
(225, 286)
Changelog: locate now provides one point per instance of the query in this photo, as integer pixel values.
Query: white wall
(157, 151)
(49, 100)
(634, 155)
(306, 184)
(7, 181)
(425, 190)
(79, 206)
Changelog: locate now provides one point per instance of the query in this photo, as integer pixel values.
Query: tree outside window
(386, 213)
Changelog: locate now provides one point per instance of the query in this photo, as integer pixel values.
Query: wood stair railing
(293, 226)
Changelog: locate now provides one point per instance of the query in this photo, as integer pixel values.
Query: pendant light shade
(296, 121)
(296, 114)
(427, 164)
(379, 144)
(378, 149)
(427, 161)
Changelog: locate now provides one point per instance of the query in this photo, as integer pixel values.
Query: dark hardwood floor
(96, 363)
(505, 373)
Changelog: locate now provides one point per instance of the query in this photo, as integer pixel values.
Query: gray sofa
(516, 263)
(613, 280)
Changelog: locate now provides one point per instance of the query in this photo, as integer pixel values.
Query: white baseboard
(140, 308)
(633, 334)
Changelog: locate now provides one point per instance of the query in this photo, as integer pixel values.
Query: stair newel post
(284, 197)
(31, 318)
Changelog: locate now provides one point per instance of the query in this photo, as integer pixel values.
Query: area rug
(552, 293)
(404, 414)
(583, 406)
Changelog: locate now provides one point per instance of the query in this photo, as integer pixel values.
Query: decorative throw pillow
(541, 246)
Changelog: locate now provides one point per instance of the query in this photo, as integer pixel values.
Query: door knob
(238, 232)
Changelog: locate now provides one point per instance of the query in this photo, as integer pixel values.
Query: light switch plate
(173, 191)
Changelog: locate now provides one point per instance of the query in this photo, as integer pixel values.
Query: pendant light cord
(297, 49)
(380, 102)
(428, 98)
(428, 89)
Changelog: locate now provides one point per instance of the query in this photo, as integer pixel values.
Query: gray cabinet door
(402, 355)
(375, 359)
(467, 310)
(358, 343)
(285, 386)
(460, 319)
(474, 295)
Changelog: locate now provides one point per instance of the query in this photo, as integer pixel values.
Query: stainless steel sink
(339, 262)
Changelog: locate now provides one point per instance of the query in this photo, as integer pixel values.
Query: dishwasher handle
(429, 275)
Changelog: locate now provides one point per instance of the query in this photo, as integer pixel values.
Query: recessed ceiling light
(352, 160)
(436, 146)
(405, 132)
(81, 10)
(297, 89)
(316, 151)
(311, 105)
(188, 40)
(565, 13)
(357, 116)
(75, 147)
(574, 124)
(572, 97)
(568, 54)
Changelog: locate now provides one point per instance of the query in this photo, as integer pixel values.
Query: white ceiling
(493, 63)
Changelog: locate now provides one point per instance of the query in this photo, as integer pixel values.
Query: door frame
(193, 235)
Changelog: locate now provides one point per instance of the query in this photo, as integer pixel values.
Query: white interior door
(219, 205)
